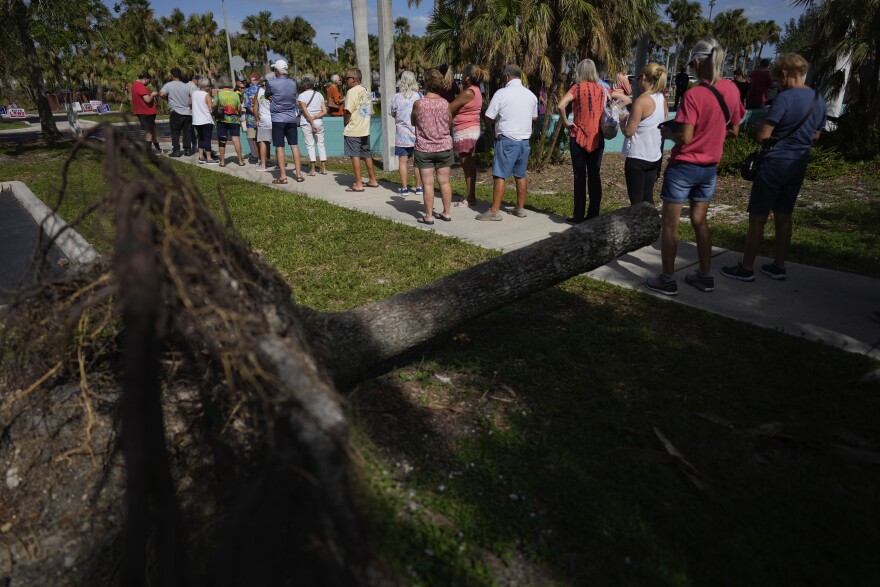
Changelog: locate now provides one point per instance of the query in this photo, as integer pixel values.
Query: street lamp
(335, 45)
(712, 4)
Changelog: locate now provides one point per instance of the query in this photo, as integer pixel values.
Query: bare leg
(402, 161)
(669, 236)
(372, 173)
(753, 240)
(522, 189)
(498, 187)
(264, 153)
(445, 189)
(418, 177)
(297, 161)
(358, 182)
(701, 230)
(236, 142)
(279, 156)
(469, 167)
(428, 196)
(783, 237)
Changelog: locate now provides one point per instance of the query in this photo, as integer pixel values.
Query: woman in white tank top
(643, 147)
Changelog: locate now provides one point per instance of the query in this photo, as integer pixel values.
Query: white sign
(96, 105)
(2, 110)
(87, 107)
(77, 107)
(14, 104)
(17, 113)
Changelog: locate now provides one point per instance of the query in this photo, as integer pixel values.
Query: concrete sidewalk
(817, 304)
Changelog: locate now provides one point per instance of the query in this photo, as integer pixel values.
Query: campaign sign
(17, 113)
(96, 105)
(77, 107)
(104, 109)
(87, 107)
(3, 111)
(14, 104)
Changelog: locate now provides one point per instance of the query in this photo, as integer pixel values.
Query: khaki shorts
(438, 160)
(251, 133)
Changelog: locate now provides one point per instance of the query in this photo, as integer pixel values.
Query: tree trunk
(641, 60)
(21, 17)
(354, 343)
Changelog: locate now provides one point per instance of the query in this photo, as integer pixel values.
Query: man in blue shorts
(285, 119)
(513, 109)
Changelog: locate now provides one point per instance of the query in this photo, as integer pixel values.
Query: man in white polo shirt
(513, 109)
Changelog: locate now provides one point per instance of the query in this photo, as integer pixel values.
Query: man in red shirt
(760, 81)
(143, 103)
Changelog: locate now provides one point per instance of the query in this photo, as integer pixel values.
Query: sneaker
(261, 168)
(419, 191)
(774, 272)
(253, 160)
(574, 220)
(489, 215)
(518, 212)
(701, 281)
(188, 152)
(213, 162)
(662, 284)
(402, 191)
(176, 153)
(738, 272)
(158, 149)
(202, 161)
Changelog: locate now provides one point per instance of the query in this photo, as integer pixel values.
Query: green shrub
(856, 138)
(825, 161)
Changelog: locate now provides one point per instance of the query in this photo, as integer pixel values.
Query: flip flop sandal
(421, 220)
(372, 186)
(241, 164)
(354, 190)
(444, 218)
(281, 180)
(300, 179)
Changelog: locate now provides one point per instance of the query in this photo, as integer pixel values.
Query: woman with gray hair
(203, 123)
(585, 139)
(405, 132)
(708, 114)
(311, 104)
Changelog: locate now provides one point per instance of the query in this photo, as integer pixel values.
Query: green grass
(12, 124)
(537, 462)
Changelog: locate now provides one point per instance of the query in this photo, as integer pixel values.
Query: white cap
(280, 65)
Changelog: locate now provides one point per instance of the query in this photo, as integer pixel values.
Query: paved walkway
(818, 304)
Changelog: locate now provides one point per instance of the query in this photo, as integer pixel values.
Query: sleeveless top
(201, 114)
(469, 114)
(432, 128)
(646, 143)
(588, 107)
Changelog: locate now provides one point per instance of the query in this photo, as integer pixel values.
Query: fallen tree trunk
(350, 344)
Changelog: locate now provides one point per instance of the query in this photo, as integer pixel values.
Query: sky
(328, 16)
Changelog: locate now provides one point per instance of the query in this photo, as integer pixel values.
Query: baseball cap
(280, 65)
(254, 76)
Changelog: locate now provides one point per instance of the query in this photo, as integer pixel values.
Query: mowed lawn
(534, 446)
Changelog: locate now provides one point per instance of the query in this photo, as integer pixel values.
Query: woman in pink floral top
(430, 116)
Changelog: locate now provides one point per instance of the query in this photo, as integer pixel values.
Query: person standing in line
(179, 97)
(202, 105)
(143, 103)
(193, 84)
(792, 125)
(249, 102)
(742, 84)
(467, 109)
(335, 99)
(682, 81)
(709, 113)
(229, 122)
(760, 81)
(405, 132)
(358, 107)
(263, 117)
(642, 145)
(311, 104)
(433, 150)
(513, 109)
(586, 141)
(623, 86)
(281, 91)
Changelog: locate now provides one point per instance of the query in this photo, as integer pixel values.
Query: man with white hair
(285, 120)
(335, 101)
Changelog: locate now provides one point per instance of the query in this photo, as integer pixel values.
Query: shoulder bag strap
(721, 103)
(795, 128)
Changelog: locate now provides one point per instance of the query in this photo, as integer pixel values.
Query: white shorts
(264, 134)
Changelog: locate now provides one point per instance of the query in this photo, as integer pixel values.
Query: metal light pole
(336, 45)
(228, 44)
(712, 4)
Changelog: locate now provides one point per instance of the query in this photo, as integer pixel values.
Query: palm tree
(768, 31)
(684, 15)
(259, 28)
(401, 26)
(731, 28)
(202, 36)
(175, 23)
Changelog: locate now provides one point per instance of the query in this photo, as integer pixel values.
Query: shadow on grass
(571, 476)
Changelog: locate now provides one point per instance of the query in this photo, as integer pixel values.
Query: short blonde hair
(656, 76)
(792, 64)
(435, 81)
(585, 71)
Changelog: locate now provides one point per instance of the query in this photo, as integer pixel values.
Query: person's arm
(209, 101)
(765, 130)
(639, 113)
(561, 108)
(621, 97)
(460, 100)
(683, 137)
(323, 111)
(414, 114)
(148, 98)
(305, 112)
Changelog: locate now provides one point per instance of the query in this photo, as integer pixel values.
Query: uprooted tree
(232, 452)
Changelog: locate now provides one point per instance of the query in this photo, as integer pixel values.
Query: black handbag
(749, 167)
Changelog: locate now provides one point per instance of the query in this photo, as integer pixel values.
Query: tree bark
(354, 343)
(21, 16)
(641, 60)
